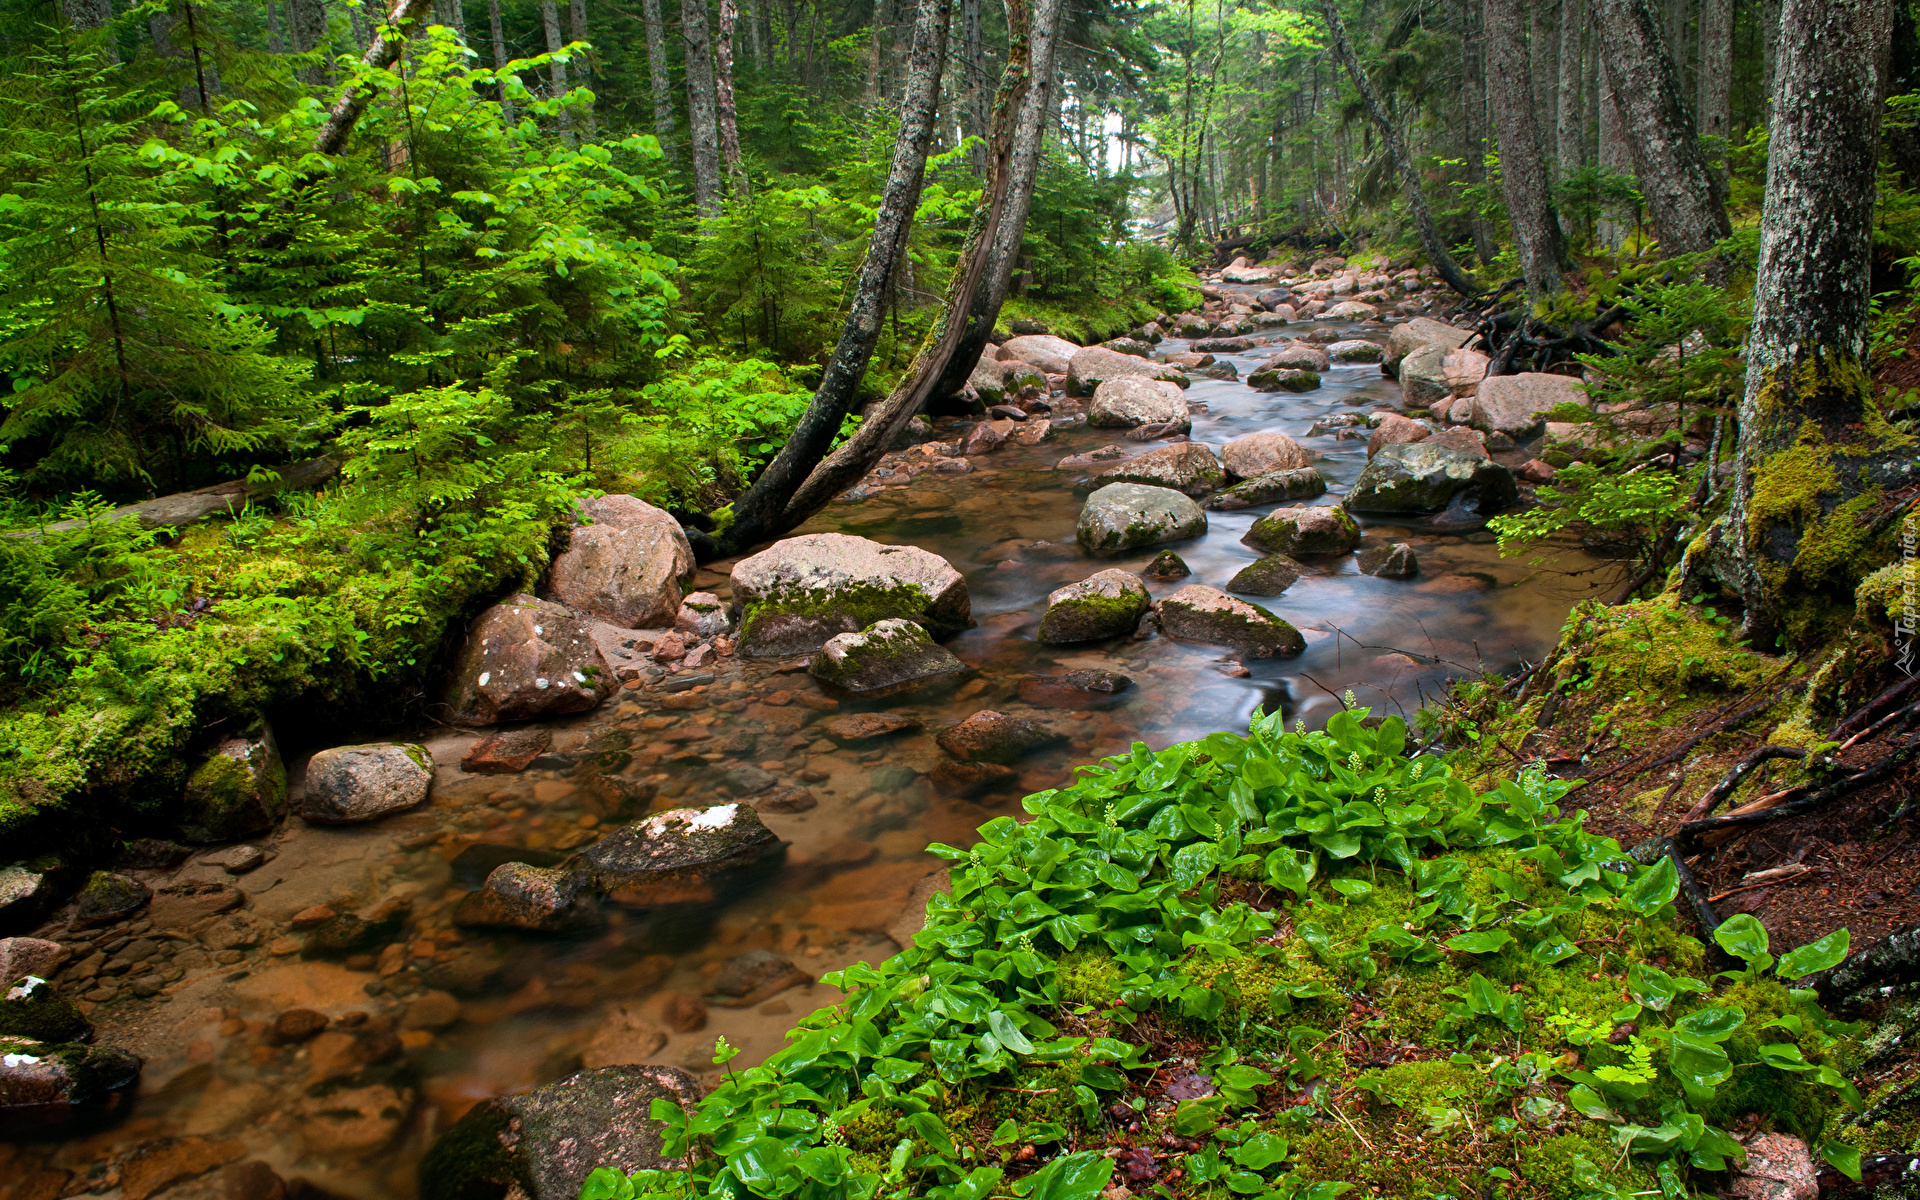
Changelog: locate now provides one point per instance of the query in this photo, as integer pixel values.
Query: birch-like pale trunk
(498, 32)
(724, 108)
(380, 55)
(1523, 168)
(702, 121)
(1613, 156)
(556, 70)
(657, 76)
(1713, 99)
(583, 65)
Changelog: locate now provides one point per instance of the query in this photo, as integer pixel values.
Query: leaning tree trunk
(701, 118)
(723, 100)
(1815, 450)
(1410, 187)
(499, 34)
(657, 76)
(1523, 172)
(383, 53)
(1683, 198)
(1713, 101)
(761, 513)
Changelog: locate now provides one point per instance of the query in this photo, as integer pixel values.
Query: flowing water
(437, 1017)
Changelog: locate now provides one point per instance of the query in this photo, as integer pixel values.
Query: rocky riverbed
(484, 908)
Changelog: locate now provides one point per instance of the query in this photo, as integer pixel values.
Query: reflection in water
(427, 1018)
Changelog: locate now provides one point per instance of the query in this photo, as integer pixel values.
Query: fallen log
(184, 508)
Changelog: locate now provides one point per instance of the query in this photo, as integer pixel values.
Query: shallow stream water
(448, 1016)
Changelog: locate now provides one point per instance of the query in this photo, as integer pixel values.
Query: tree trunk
(657, 75)
(973, 116)
(1683, 198)
(1815, 450)
(1523, 172)
(1410, 187)
(383, 53)
(701, 119)
(500, 58)
(1614, 155)
(760, 514)
(1473, 111)
(724, 105)
(1543, 46)
(275, 43)
(1713, 103)
(308, 21)
(1769, 11)
(583, 66)
(1903, 76)
(95, 14)
(556, 70)
(1570, 117)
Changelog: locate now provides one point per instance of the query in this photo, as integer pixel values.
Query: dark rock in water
(538, 899)
(787, 800)
(651, 860)
(34, 1008)
(1268, 576)
(345, 933)
(150, 854)
(46, 1084)
(1390, 562)
(967, 779)
(508, 752)
(472, 866)
(181, 905)
(1197, 613)
(748, 780)
(238, 790)
(1167, 565)
(858, 728)
(108, 897)
(1301, 531)
(1075, 689)
(885, 659)
(542, 1144)
(753, 977)
(296, 1025)
(993, 737)
(1427, 477)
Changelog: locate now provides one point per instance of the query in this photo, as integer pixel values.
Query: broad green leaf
(1484, 941)
(1814, 956)
(1007, 1033)
(1714, 1024)
(1260, 1151)
(1654, 889)
(760, 1163)
(1553, 950)
(1744, 937)
(1785, 1056)
(1353, 889)
(1845, 1158)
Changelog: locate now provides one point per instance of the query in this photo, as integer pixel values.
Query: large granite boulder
(1354, 350)
(1516, 405)
(1105, 605)
(886, 658)
(351, 784)
(1394, 430)
(1093, 365)
(1187, 467)
(1197, 613)
(25, 895)
(626, 565)
(542, 1145)
(1423, 375)
(1425, 477)
(1268, 576)
(526, 658)
(656, 857)
(1275, 487)
(1133, 400)
(989, 378)
(1126, 516)
(1263, 453)
(45, 1085)
(1298, 532)
(1421, 331)
(1352, 310)
(239, 789)
(796, 594)
(1464, 370)
(1043, 350)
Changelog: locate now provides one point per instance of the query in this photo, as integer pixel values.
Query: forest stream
(452, 1016)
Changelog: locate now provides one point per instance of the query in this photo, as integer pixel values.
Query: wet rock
(988, 378)
(685, 1014)
(1092, 365)
(753, 977)
(348, 785)
(985, 437)
(1464, 370)
(1421, 331)
(1262, 454)
(472, 865)
(158, 1166)
(1167, 431)
(1304, 531)
(1088, 688)
(1048, 353)
(236, 860)
(625, 566)
(1167, 565)
(1222, 345)
(30, 956)
(1127, 516)
(1355, 350)
(1197, 613)
(963, 780)
(1397, 561)
(1516, 404)
(1130, 400)
(1128, 345)
(992, 737)
(746, 779)
(1353, 310)
(626, 1037)
(1273, 298)
(885, 659)
(1268, 576)
(1394, 430)
(1778, 1167)
(1298, 356)
(253, 1180)
(1463, 439)
(787, 800)
(238, 789)
(1423, 376)
(542, 1144)
(356, 1117)
(523, 659)
(1283, 379)
(652, 858)
(859, 729)
(703, 616)
(33, 1008)
(43, 1084)
(1093, 458)
(183, 905)
(1032, 433)
(1425, 477)
(431, 1011)
(1105, 605)
(1535, 471)
(540, 899)
(508, 752)
(296, 1026)
(1189, 468)
(799, 592)
(1276, 487)
(108, 897)
(347, 933)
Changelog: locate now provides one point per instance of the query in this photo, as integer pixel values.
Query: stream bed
(425, 1019)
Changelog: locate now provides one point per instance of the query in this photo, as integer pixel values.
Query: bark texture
(1569, 113)
(702, 122)
(307, 20)
(723, 98)
(973, 114)
(1410, 188)
(1613, 156)
(556, 70)
(1683, 198)
(657, 75)
(1473, 106)
(499, 35)
(583, 65)
(1713, 99)
(760, 513)
(383, 53)
(1814, 447)
(1523, 171)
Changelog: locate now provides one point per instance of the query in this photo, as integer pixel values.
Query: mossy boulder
(1127, 516)
(1275, 487)
(798, 593)
(34, 1008)
(239, 789)
(1186, 467)
(1283, 379)
(1197, 613)
(1426, 477)
(1355, 350)
(1268, 576)
(1396, 561)
(1105, 605)
(1321, 529)
(1167, 565)
(44, 1085)
(542, 1144)
(107, 897)
(886, 658)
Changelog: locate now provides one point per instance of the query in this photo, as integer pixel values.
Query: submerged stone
(1268, 576)
(648, 860)
(992, 737)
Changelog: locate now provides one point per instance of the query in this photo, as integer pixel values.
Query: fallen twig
(1690, 833)
(1730, 782)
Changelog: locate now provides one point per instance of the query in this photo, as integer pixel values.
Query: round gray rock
(1126, 516)
(1355, 350)
(350, 784)
(1043, 350)
(1133, 400)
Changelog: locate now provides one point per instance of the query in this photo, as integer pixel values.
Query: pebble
(237, 860)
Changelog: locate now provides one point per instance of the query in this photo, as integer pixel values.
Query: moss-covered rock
(1105, 605)
(1426, 477)
(1268, 576)
(651, 858)
(34, 1008)
(239, 789)
(1197, 613)
(1127, 516)
(1275, 487)
(799, 592)
(1297, 532)
(884, 659)
(107, 897)
(45, 1085)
